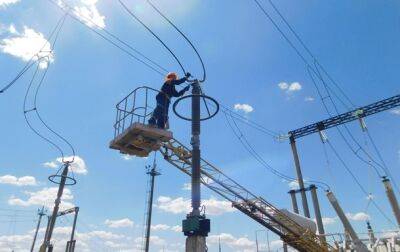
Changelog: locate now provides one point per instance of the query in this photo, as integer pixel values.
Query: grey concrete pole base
(196, 244)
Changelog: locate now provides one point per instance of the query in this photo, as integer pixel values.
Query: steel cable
(155, 35)
(184, 36)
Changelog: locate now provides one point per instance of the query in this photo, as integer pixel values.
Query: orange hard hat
(171, 76)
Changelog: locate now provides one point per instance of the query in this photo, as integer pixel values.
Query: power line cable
(36, 107)
(247, 145)
(355, 152)
(358, 182)
(31, 61)
(153, 33)
(309, 67)
(161, 70)
(314, 69)
(309, 51)
(184, 36)
(26, 110)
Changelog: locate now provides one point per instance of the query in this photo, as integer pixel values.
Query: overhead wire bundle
(332, 91)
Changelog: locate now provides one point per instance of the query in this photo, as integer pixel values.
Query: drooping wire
(247, 145)
(309, 51)
(31, 61)
(30, 110)
(358, 182)
(26, 110)
(36, 96)
(184, 36)
(316, 70)
(154, 34)
(355, 152)
(161, 70)
(388, 173)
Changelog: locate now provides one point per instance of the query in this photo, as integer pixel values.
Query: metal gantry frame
(353, 115)
(321, 126)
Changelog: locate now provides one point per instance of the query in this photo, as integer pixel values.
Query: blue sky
(248, 62)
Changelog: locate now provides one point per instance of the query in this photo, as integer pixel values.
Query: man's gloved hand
(186, 89)
(188, 75)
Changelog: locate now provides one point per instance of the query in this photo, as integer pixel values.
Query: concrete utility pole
(306, 210)
(317, 212)
(46, 243)
(196, 227)
(360, 247)
(392, 199)
(152, 173)
(294, 201)
(41, 214)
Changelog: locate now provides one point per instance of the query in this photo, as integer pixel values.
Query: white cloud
(78, 166)
(160, 227)
(328, 220)
(290, 88)
(119, 223)
(283, 85)
(21, 181)
(44, 197)
(26, 45)
(4, 3)
(187, 187)
(51, 164)
(177, 229)
(309, 99)
(246, 108)
(361, 216)
(241, 243)
(395, 111)
(293, 185)
(87, 11)
(181, 205)
(127, 157)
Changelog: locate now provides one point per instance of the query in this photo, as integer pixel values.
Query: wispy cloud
(88, 12)
(181, 205)
(119, 223)
(395, 112)
(4, 3)
(309, 99)
(26, 45)
(78, 166)
(290, 88)
(21, 181)
(43, 197)
(236, 243)
(360, 216)
(246, 108)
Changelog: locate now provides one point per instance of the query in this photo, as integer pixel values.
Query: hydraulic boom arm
(255, 207)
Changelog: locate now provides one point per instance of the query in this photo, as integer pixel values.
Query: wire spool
(205, 99)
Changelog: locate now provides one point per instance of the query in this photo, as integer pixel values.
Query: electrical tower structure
(153, 173)
(62, 180)
(319, 127)
(41, 213)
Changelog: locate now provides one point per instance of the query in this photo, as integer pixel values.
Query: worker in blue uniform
(159, 116)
